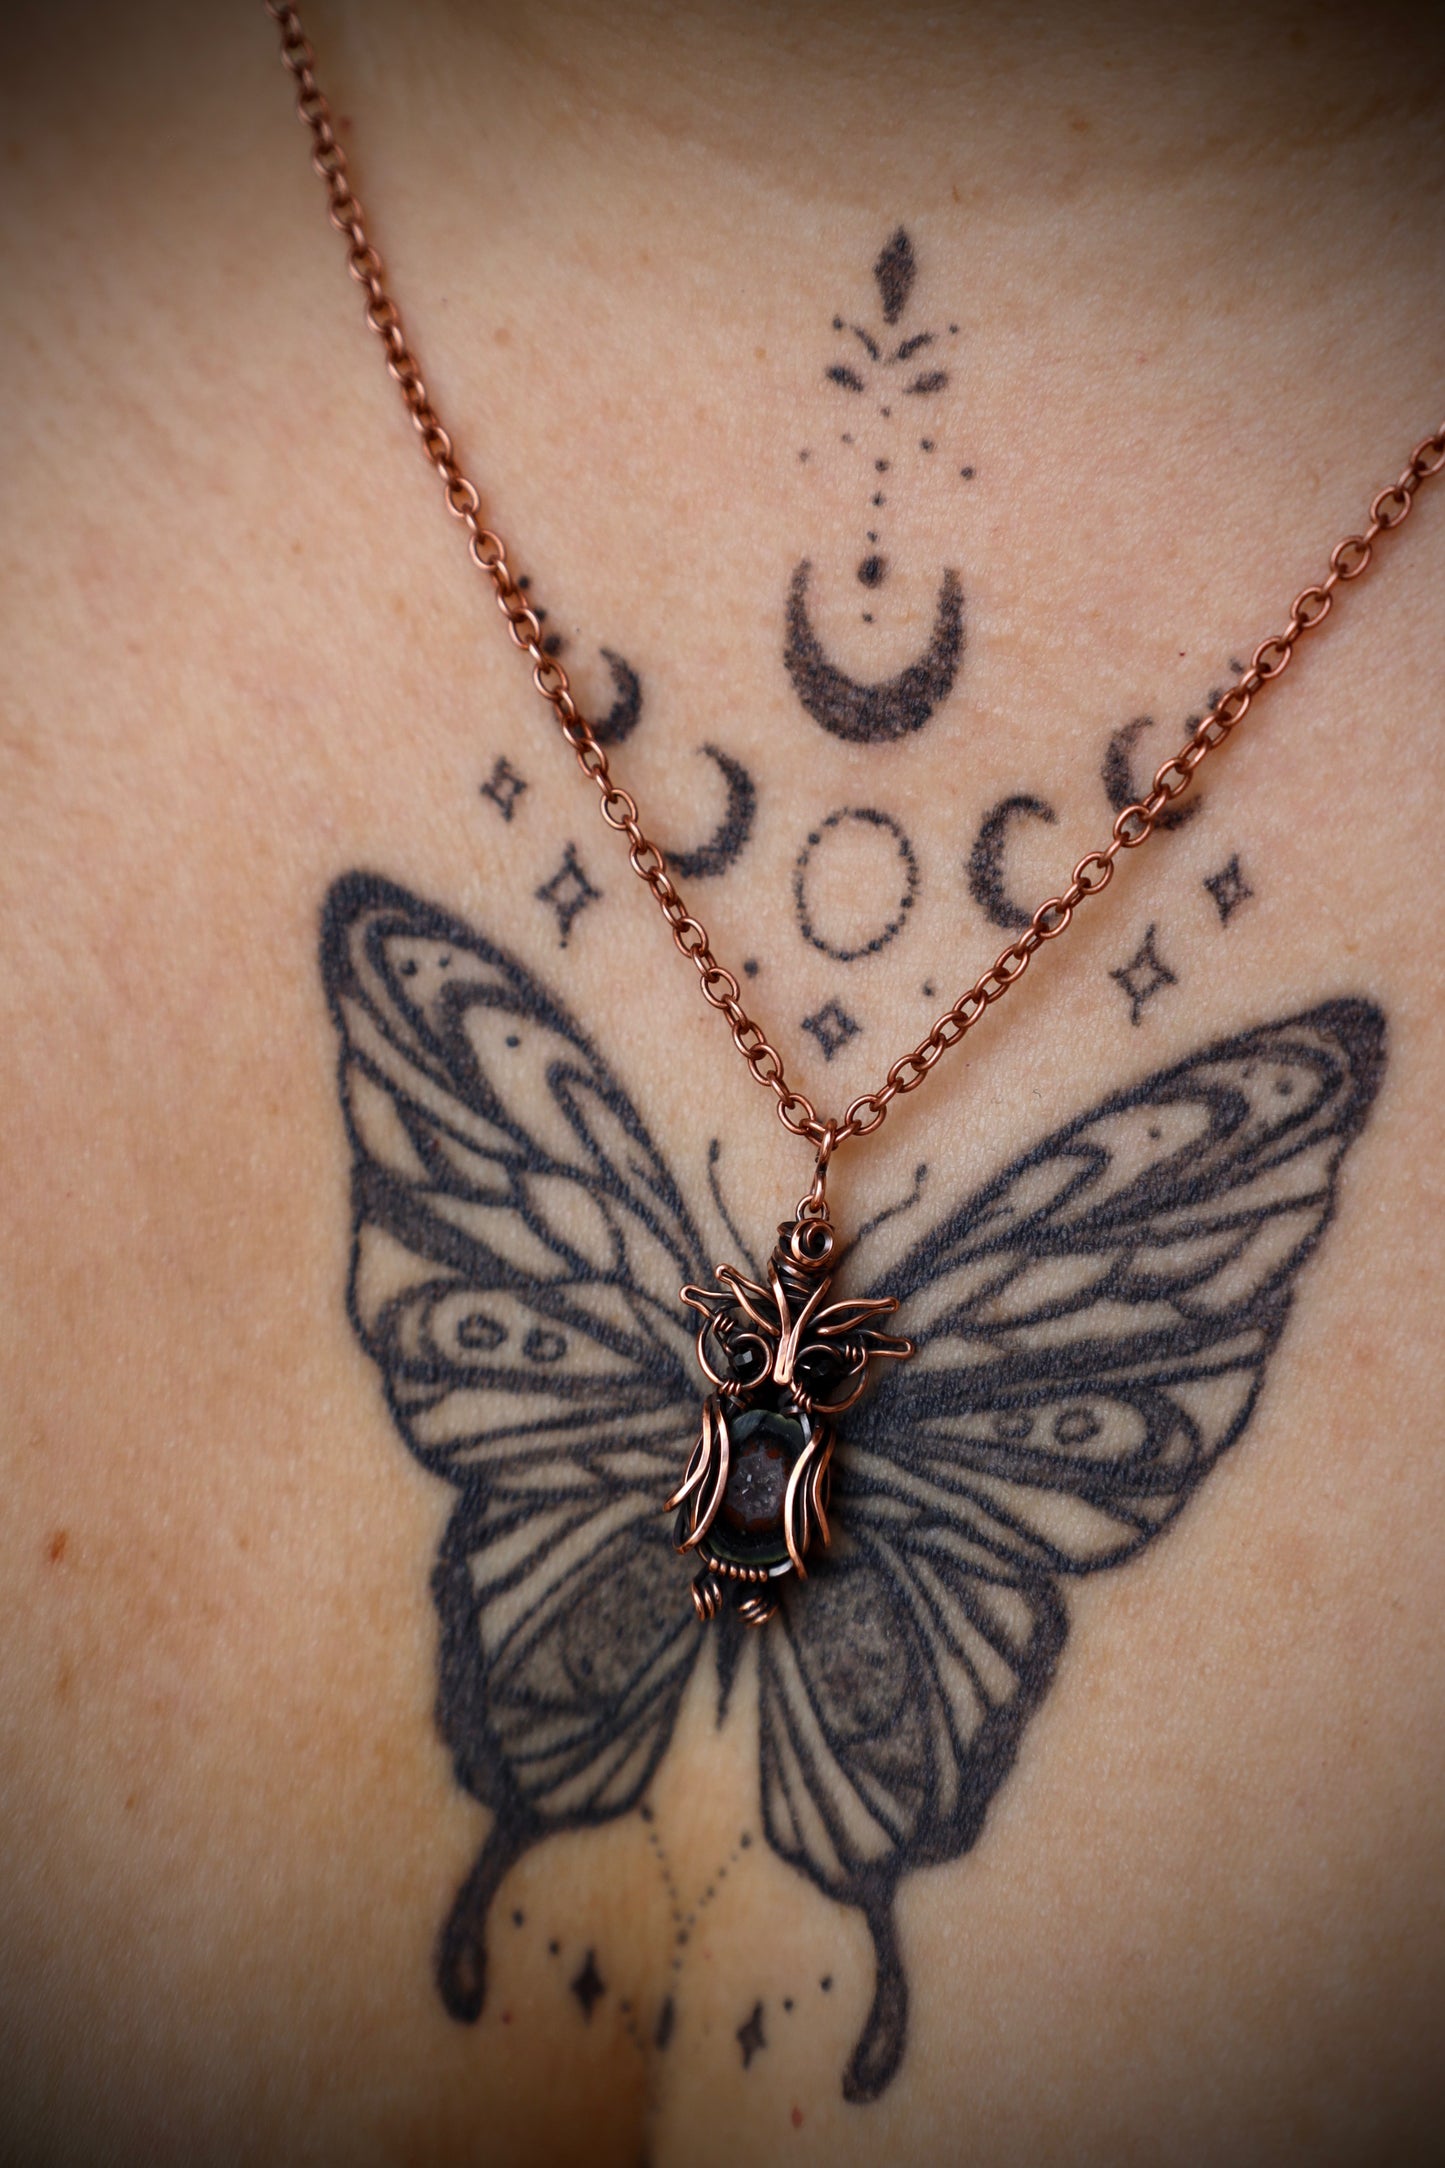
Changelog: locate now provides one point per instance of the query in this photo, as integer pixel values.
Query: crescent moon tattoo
(873, 714)
(1118, 779)
(985, 862)
(621, 718)
(733, 832)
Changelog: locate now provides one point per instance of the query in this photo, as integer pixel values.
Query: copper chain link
(1093, 873)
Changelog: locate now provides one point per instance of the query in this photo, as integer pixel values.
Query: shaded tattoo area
(985, 863)
(1093, 1331)
(734, 831)
(873, 714)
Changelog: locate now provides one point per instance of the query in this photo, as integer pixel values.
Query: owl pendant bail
(754, 1496)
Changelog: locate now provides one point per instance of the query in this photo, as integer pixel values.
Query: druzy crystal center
(757, 1487)
(765, 1444)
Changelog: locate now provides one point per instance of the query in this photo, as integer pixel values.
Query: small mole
(886, 412)
(967, 473)
(872, 571)
(805, 455)
(525, 582)
(826, 1983)
(814, 838)
(644, 1814)
(928, 990)
(745, 1840)
(846, 438)
(554, 1949)
(925, 444)
(55, 1548)
(512, 1039)
(880, 500)
(518, 1918)
(750, 968)
(871, 535)
(837, 323)
(880, 466)
(867, 616)
(953, 331)
(787, 2002)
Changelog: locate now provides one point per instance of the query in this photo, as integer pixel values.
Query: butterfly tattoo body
(1091, 1330)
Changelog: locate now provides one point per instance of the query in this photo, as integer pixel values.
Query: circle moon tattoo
(985, 862)
(844, 952)
(731, 837)
(892, 708)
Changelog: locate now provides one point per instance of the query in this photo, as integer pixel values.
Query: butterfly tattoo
(1092, 1331)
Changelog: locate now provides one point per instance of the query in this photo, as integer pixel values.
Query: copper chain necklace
(782, 1363)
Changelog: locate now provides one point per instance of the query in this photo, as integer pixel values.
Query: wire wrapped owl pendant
(784, 1363)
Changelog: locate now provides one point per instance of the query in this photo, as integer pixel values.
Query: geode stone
(765, 1445)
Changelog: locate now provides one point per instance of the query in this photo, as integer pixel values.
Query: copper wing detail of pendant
(784, 1363)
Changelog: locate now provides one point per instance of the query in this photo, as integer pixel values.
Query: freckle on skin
(55, 1549)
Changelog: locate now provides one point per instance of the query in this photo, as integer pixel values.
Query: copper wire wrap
(707, 1596)
(1135, 824)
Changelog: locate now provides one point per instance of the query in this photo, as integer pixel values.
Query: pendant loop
(815, 1204)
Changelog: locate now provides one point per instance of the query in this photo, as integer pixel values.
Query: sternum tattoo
(755, 1493)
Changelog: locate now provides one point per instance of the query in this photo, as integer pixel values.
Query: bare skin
(1194, 266)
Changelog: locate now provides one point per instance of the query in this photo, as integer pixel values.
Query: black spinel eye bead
(747, 1362)
(818, 1369)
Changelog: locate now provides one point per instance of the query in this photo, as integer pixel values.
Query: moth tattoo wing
(517, 1246)
(1092, 1332)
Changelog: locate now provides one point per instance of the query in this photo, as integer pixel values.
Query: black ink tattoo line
(1145, 975)
(848, 951)
(740, 1243)
(568, 892)
(504, 787)
(832, 1027)
(1094, 1329)
(1229, 889)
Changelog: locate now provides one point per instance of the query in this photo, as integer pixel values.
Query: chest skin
(245, 653)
